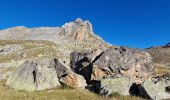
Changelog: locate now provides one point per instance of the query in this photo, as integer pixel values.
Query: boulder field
(120, 70)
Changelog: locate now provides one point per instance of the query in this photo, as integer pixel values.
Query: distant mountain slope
(161, 57)
(77, 33)
(77, 30)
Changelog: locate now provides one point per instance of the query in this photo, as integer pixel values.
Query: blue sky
(133, 23)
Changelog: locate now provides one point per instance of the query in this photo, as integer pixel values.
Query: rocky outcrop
(44, 74)
(129, 62)
(78, 30)
(117, 70)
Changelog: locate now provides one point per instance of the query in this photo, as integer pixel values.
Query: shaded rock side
(81, 62)
(34, 75)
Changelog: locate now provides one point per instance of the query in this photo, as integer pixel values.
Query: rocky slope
(18, 44)
(76, 35)
(35, 59)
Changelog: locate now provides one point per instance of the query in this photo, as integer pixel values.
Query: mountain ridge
(72, 36)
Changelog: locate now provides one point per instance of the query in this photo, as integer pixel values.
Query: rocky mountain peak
(78, 21)
(78, 29)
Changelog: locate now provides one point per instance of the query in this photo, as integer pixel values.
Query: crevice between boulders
(138, 90)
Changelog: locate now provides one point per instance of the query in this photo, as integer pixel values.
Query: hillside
(71, 62)
(19, 43)
(161, 58)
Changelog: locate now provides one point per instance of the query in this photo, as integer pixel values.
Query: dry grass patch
(162, 69)
(7, 93)
(30, 49)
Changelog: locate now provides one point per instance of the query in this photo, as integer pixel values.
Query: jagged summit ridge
(73, 36)
(77, 30)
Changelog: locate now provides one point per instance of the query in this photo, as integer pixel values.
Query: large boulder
(34, 75)
(44, 74)
(68, 77)
(158, 87)
(130, 62)
(109, 86)
(81, 62)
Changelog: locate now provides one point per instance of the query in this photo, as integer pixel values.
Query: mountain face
(20, 43)
(35, 59)
(77, 30)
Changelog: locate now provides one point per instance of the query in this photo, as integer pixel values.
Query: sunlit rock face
(78, 30)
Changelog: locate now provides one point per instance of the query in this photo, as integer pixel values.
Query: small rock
(74, 80)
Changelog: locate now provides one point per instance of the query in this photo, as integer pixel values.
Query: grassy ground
(56, 94)
(161, 69)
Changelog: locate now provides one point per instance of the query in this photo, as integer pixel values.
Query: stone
(68, 77)
(130, 62)
(157, 87)
(97, 73)
(34, 75)
(77, 59)
(60, 68)
(109, 86)
(74, 80)
(42, 74)
(81, 62)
